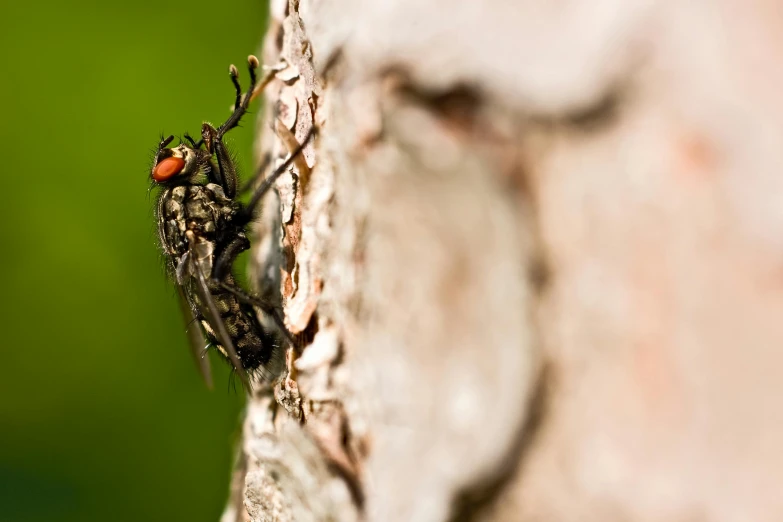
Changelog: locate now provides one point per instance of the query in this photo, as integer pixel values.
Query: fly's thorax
(201, 209)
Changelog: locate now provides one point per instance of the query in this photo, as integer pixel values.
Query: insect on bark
(202, 228)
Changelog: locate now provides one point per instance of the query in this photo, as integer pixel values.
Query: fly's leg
(193, 143)
(213, 138)
(164, 142)
(234, 74)
(226, 173)
(247, 213)
(267, 307)
(225, 260)
(241, 103)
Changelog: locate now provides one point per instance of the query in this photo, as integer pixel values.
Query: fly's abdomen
(255, 346)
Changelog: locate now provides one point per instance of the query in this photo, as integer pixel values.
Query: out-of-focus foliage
(103, 415)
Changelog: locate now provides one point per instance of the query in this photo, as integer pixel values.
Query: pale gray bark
(535, 259)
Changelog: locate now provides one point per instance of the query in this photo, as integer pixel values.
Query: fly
(202, 228)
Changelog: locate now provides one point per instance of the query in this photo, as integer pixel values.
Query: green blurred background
(103, 415)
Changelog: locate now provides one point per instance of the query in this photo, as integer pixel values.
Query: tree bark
(533, 261)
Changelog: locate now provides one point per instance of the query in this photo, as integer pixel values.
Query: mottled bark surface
(534, 259)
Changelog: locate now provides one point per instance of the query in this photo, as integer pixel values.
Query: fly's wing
(195, 338)
(214, 319)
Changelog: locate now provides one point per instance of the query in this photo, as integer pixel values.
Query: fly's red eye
(167, 168)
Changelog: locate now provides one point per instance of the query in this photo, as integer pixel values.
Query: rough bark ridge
(533, 261)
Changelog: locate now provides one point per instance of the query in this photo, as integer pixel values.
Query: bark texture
(534, 260)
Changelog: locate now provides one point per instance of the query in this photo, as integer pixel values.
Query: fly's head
(180, 165)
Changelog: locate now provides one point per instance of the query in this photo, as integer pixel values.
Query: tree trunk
(532, 258)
